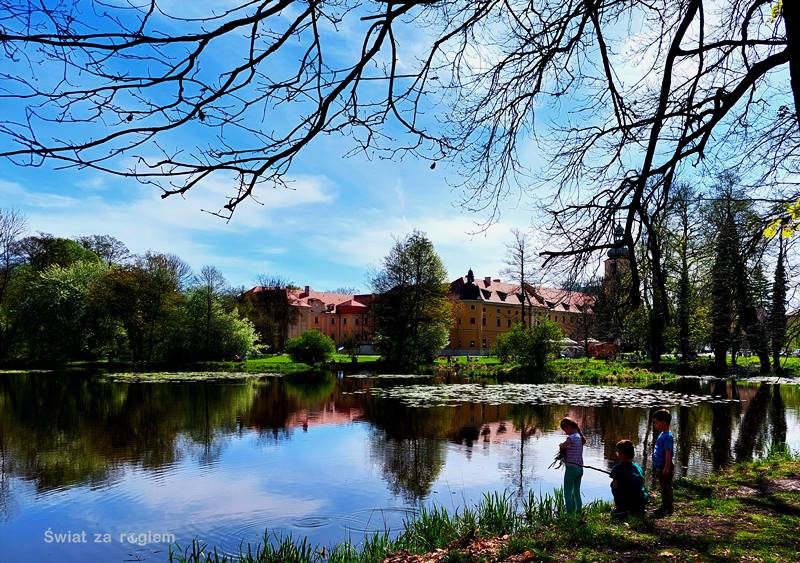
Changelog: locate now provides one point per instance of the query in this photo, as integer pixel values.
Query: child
(627, 485)
(573, 460)
(663, 467)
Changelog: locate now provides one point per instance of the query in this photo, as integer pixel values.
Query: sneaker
(619, 514)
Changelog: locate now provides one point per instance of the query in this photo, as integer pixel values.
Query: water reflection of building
(59, 431)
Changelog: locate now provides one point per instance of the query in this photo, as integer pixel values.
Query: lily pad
(184, 376)
(552, 394)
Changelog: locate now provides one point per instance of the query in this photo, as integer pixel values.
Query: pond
(94, 469)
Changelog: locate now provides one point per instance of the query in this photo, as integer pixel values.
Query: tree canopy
(411, 316)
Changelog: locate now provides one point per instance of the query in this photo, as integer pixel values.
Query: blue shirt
(665, 442)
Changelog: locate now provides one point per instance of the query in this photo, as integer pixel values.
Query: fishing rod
(559, 461)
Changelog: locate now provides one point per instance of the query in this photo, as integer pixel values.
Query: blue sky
(339, 217)
(337, 222)
(334, 225)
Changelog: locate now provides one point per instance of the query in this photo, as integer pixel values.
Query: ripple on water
(312, 522)
(371, 520)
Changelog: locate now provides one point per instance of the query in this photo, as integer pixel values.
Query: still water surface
(328, 458)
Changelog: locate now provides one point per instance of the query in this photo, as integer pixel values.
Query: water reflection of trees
(764, 423)
(59, 431)
(64, 430)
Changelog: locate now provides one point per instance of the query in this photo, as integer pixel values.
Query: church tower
(617, 264)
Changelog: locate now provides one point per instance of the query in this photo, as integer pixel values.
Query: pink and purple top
(574, 455)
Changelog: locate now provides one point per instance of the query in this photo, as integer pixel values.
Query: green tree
(777, 316)
(312, 347)
(725, 257)
(738, 238)
(214, 330)
(531, 347)
(412, 315)
(145, 299)
(54, 312)
(45, 250)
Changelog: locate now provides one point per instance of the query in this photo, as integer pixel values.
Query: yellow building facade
(486, 308)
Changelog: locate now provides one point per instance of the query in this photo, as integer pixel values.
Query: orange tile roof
(499, 292)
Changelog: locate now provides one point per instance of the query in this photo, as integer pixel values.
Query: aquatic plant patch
(184, 376)
(550, 394)
(774, 380)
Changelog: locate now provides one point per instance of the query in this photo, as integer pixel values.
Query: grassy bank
(591, 370)
(750, 512)
(573, 370)
(283, 363)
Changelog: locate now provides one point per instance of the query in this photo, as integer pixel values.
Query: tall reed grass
(433, 527)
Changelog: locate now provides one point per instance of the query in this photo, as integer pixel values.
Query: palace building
(482, 310)
(486, 308)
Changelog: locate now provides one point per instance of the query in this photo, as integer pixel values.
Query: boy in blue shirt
(663, 467)
(628, 483)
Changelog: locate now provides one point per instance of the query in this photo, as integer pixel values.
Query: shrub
(311, 348)
(530, 347)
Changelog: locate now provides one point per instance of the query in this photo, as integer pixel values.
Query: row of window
(333, 320)
(472, 343)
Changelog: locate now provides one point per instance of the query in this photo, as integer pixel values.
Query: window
(344, 321)
(316, 320)
(332, 336)
(498, 310)
(484, 309)
(483, 321)
(509, 323)
(498, 323)
(472, 320)
(484, 343)
(356, 321)
(472, 307)
(333, 321)
(472, 344)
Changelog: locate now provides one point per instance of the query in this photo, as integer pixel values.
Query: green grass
(591, 370)
(750, 512)
(462, 360)
(283, 363)
(361, 358)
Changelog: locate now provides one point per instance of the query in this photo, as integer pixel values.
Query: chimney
(487, 280)
(307, 291)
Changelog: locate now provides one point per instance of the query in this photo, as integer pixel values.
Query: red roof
(301, 298)
(499, 292)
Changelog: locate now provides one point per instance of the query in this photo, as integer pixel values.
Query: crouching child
(627, 483)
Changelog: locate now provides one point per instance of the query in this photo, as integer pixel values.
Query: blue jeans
(572, 488)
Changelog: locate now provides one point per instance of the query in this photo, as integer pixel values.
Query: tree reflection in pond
(62, 431)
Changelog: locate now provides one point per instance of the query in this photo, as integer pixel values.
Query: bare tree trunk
(791, 19)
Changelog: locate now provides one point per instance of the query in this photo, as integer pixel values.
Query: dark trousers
(665, 484)
(626, 502)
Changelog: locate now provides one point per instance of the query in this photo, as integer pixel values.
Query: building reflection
(60, 431)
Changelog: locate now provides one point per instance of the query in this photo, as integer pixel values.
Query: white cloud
(177, 225)
(366, 242)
